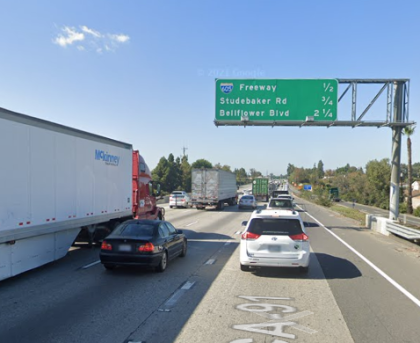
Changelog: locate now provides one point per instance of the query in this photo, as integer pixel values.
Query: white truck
(56, 181)
(213, 188)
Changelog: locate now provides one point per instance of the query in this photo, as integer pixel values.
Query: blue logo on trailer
(226, 87)
(107, 158)
(307, 187)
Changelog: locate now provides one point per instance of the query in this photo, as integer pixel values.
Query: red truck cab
(145, 191)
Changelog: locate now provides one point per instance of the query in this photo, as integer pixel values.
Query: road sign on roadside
(276, 99)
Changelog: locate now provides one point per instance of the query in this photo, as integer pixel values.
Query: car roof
(283, 214)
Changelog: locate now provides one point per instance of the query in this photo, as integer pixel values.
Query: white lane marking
(191, 223)
(211, 261)
(238, 232)
(176, 296)
(383, 274)
(227, 243)
(188, 285)
(91, 264)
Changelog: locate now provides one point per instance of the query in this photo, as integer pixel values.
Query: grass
(350, 213)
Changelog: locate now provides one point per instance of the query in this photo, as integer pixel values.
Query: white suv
(274, 239)
(179, 199)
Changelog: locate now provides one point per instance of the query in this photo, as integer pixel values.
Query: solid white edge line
(91, 264)
(383, 274)
(211, 261)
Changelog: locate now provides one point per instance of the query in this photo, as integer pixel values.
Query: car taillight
(300, 237)
(106, 246)
(147, 247)
(249, 235)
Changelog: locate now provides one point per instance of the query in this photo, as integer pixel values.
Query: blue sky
(144, 72)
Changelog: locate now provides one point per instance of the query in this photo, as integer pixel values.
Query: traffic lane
(388, 253)
(374, 310)
(93, 305)
(81, 305)
(267, 304)
(165, 324)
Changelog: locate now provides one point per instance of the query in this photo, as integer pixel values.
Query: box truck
(56, 181)
(212, 187)
(260, 189)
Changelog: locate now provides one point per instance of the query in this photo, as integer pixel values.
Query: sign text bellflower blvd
(276, 100)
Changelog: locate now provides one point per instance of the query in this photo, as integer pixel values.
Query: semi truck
(57, 182)
(211, 187)
(260, 188)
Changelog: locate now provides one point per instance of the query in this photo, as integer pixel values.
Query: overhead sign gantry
(276, 100)
(314, 102)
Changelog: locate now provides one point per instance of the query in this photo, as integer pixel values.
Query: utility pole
(183, 151)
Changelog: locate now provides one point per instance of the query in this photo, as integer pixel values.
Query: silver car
(247, 201)
(179, 199)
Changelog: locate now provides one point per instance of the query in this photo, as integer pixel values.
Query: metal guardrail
(403, 231)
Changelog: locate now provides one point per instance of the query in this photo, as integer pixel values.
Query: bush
(403, 207)
(416, 211)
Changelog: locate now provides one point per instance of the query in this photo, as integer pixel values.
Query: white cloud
(90, 31)
(120, 38)
(89, 40)
(70, 36)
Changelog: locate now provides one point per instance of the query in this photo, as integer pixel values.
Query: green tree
(185, 174)
(224, 167)
(378, 174)
(290, 169)
(201, 163)
(320, 169)
(408, 131)
(241, 176)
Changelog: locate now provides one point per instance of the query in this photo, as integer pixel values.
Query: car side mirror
(179, 231)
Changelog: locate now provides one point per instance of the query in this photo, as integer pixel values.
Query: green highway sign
(276, 99)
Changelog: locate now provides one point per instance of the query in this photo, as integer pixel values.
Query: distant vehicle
(179, 199)
(211, 187)
(274, 239)
(277, 193)
(260, 188)
(285, 196)
(148, 243)
(280, 204)
(247, 201)
(334, 194)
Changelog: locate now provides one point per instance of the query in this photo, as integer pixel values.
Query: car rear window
(269, 226)
(247, 197)
(177, 196)
(134, 229)
(281, 203)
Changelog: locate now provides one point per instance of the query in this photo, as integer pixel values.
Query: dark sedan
(149, 243)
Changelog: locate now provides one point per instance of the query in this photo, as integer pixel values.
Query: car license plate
(125, 247)
(274, 248)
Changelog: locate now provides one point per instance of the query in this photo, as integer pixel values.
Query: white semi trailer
(213, 188)
(55, 180)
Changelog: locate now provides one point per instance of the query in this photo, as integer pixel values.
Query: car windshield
(135, 229)
(269, 226)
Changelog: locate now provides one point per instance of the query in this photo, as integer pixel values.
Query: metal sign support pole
(394, 193)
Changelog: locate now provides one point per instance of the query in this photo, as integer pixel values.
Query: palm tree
(408, 131)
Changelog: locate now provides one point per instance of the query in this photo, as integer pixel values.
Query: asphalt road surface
(361, 287)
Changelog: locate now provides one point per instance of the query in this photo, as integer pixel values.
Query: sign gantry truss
(396, 115)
